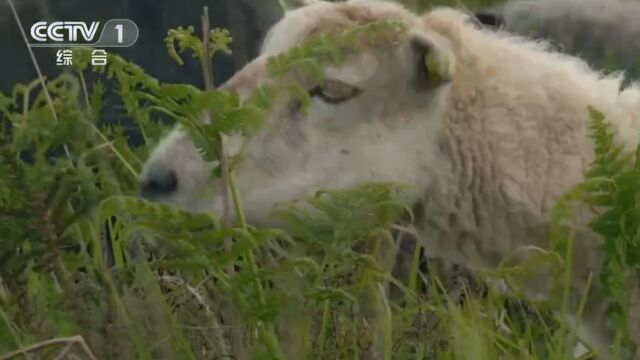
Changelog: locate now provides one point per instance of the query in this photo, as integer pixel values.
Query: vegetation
(89, 270)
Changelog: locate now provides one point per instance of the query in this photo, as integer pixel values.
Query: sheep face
(372, 118)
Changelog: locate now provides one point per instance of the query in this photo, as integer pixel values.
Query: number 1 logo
(120, 33)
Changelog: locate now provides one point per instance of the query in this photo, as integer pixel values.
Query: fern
(617, 191)
(612, 188)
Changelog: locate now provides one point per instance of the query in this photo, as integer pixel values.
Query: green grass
(174, 285)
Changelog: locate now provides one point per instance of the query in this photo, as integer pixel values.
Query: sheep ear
(433, 60)
(294, 4)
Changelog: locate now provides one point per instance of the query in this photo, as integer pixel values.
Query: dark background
(247, 20)
(606, 33)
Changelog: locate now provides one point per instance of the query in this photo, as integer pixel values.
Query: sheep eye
(334, 92)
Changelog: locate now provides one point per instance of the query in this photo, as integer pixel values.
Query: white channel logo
(115, 33)
(56, 31)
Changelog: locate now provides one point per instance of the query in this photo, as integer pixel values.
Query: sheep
(490, 143)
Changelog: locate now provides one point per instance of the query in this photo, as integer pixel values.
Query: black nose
(158, 182)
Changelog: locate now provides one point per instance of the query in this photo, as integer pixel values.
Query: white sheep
(491, 145)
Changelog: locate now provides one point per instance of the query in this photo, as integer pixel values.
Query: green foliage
(615, 187)
(219, 41)
(169, 284)
(612, 189)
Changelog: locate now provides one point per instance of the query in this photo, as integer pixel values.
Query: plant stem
(243, 224)
(207, 72)
(566, 290)
(232, 314)
(38, 71)
(9, 326)
(47, 343)
(326, 308)
(143, 352)
(387, 325)
(228, 185)
(265, 334)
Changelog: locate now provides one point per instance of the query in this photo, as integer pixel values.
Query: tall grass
(89, 270)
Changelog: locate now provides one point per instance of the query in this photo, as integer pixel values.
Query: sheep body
(516, 139)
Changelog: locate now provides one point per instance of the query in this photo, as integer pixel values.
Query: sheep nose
(159, 182)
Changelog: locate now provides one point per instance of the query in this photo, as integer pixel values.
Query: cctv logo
(114, 33)
(60, 31)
